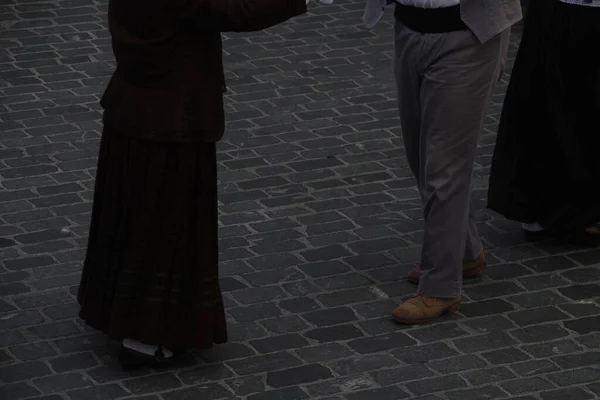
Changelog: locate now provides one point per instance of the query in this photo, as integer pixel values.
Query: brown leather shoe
(471, 269)
(420, 309)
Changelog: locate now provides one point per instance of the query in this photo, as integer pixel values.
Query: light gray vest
(486, 18)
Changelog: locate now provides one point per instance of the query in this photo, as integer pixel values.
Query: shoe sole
(539, 236)
(131, 359)
(452, 309)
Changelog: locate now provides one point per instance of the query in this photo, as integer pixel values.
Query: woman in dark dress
(150, 277)
(546, 166)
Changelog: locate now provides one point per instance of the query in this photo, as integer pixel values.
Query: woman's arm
(240, 15)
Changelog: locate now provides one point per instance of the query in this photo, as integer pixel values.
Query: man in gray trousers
(449, 54)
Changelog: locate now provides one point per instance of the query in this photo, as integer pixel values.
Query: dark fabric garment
(546, 165)
(151, 270)
(169, 80)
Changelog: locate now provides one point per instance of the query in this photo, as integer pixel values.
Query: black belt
(430, 20)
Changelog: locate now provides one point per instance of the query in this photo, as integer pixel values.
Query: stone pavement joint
(319, 224)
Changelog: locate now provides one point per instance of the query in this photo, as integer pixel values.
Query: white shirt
(592, 3)
(429, 3)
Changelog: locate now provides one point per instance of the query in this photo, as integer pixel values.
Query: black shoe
(130, 359)
(536, 236)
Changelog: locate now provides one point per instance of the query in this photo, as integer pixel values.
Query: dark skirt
(546, 164)
(151, 270)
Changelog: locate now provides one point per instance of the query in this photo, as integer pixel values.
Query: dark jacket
(169, 80)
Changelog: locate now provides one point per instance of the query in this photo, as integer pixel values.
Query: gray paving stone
(569, 393)
(589, 257)
(379, 343)
(590, 341)
(344, 384)
(73, 362)
(581, 310)
(299, 305)
(583, 275)
(227, 352)
(33, 351)
(54, 330)
(533, 367)
(527, 385)
(457, 364)
(17, 391)
(353, 366)
(594, 388)
(399, 375)
(293, 393)
(433, 385)
(246, 331)
(5, 358)
(334, 333)
(386, 393)
(493, 290)
(11, 338)
(488, 341)
(102, 392)
(581, 292)
(259, 295)
(24, 371)
(424, 353)
(486, 392)
(299, 375)
(324, 352)
(543, 350)
(490, 323)
(537, 299)
(537, 316)
(285, 324)
(264, 363)
(211, 391)
(81, 343)
(247, 385)
(332, 316)
(549, 264)
(486, 307)
(490, 375)
(61, 383)
(320, 224)
(152, 384)
(578, 376)
(278, 343)
(540, 333)
(436, 332)
(206, 373)
(255, 312)
(578, 360)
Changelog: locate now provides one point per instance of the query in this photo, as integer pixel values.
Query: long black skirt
(151, 270)
(546, 165)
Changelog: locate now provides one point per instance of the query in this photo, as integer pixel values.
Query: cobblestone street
(319, 224)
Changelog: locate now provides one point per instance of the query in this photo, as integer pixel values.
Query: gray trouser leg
(445, 82)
